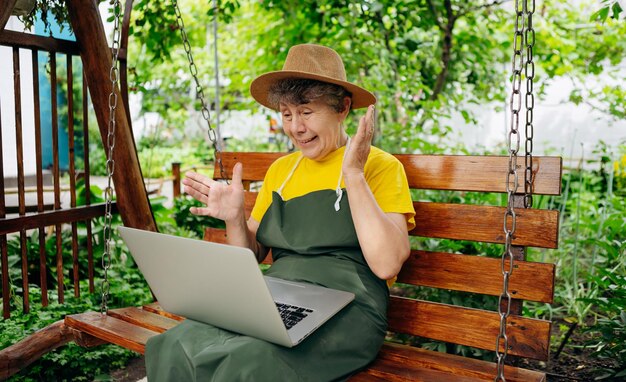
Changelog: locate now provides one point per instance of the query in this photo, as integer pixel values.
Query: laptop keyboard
(292, 314)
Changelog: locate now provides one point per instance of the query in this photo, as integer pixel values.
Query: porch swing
(511, 278)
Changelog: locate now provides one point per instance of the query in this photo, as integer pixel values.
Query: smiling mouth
(305, 141)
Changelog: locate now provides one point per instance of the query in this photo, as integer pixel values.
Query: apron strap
(339, 190)
(293, 169)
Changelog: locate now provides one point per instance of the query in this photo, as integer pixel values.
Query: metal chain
(199, 90)
(529, 71)
(110, 163)
(510, 220)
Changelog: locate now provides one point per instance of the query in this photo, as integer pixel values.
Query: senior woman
(335, 213)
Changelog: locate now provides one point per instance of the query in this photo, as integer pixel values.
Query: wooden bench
(528, 337)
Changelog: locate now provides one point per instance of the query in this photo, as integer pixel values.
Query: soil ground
(576, 361)
(134, 371)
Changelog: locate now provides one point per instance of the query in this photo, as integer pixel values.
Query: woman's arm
(383, 236)
(225, 202)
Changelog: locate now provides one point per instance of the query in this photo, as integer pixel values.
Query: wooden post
(176, 180)
(5, 12)
(17, 356)
(123, 55)
(132, 198)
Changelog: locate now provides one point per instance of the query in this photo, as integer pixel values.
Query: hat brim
(259, 88)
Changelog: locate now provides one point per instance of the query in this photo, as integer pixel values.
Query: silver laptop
(222, 285)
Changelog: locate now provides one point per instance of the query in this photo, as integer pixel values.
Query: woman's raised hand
(222, 201)
(354, 162)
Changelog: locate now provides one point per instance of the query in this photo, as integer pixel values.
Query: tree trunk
(132, 198)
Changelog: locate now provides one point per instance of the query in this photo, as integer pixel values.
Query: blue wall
(46, 100)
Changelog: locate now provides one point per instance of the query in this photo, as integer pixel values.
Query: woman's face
(314, 127)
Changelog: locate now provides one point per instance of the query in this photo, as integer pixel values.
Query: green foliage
(68, 363)
(56, 8)
(593, 233)
(591, 274)
(128, 288)
(71, 363)
(425, 60)
(610, 9)
(610, 329)
(157, 161)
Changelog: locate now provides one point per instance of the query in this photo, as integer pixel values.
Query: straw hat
(314, 62)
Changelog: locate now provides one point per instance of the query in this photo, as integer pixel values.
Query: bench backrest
(465, 272)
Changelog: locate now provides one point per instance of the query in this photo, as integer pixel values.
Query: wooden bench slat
(440, 272)
(476, 173)
(477, 274)
(156, 308)
(249, 198)
(466, 273)
(436, 172)
(394, 362)
(111, 329)
(144, 318)
(528, 337)
(255, 164)
(535, 228)
(389, 371)
(406, 361)
(216, 235)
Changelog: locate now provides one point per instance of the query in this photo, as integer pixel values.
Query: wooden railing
(38, 214)
(131, 196)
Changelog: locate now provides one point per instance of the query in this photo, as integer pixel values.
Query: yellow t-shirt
(383, 172)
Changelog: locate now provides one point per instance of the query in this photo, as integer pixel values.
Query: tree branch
(484, 6)
(446, 51)
(433, 10)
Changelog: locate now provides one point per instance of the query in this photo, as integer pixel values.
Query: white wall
(7, 106)
(560, 127)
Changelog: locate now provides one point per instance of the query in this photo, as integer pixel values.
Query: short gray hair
(298, 91)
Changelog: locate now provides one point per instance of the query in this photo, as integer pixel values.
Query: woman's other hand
(354, 162)
(222, 201)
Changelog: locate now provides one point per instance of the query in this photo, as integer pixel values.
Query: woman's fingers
(359, 150)
(237, 173)
(200, 211)
(366, 125)
(196, 194)
(220, 200)
(198, 186)
(197, 180)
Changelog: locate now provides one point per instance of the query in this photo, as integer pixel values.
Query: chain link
(110, 163)
(512, 183)
(193, 69)
(529, 71)
(523, 17)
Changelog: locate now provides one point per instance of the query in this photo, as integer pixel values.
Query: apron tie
(339, 190)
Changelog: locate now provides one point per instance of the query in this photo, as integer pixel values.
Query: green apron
(312, 239)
